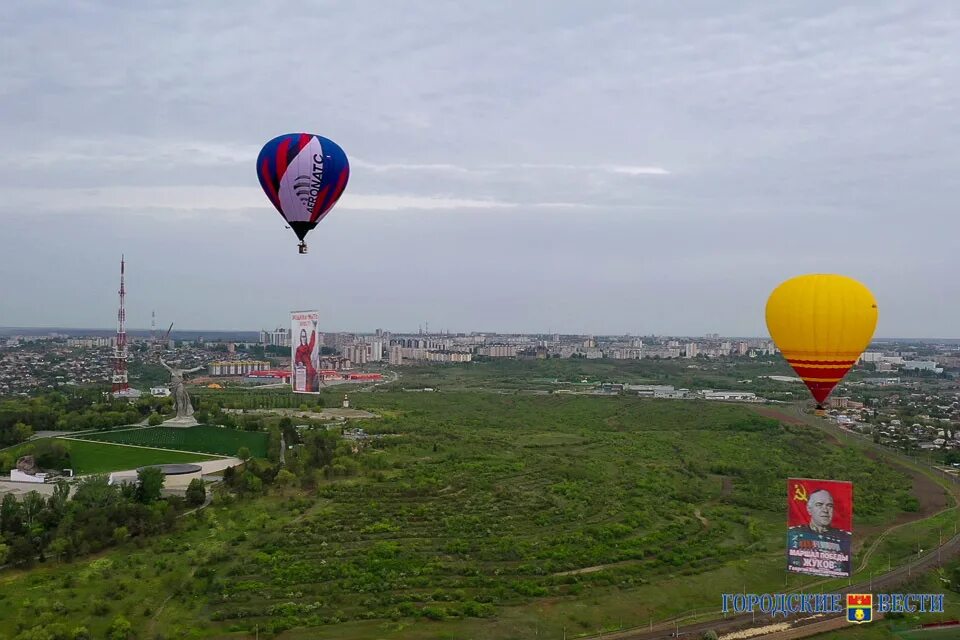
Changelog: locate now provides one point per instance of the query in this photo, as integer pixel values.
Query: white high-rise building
(358, 353)
(395, 357)
(277, 338)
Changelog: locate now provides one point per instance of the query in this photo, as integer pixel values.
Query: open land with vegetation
(483, 516)
(578, 373)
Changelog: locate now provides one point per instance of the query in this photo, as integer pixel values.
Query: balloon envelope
(303, 175)
(821, 323)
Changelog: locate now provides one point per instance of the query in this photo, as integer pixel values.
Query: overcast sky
(605, 167)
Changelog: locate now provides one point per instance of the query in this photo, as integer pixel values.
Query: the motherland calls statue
(181, 401)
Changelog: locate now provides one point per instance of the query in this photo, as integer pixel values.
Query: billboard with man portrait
(819, 527)
(304, 352)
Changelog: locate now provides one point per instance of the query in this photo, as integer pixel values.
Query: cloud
(824, 134)
(99, 153)
(488, 168)
(156, 200)
(638, 171)
(150, 151)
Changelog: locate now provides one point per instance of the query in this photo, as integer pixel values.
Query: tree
(273, 444)
(95, 491)
(120, 629)
(150, 485)
(22, 432)
(58, 501)
(243, 453)
(11, 520)
(285, 479)
(22, 552)
(51, 454)
(196, 493)
(250, 483)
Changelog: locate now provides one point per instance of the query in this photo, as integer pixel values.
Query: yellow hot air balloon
(821, 323)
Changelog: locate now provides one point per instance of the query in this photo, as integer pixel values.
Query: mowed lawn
(202, 439)
(93, 457)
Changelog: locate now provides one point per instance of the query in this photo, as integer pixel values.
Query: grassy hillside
(486, 516)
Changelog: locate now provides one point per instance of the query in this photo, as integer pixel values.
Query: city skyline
(668, 181)
(141, 332)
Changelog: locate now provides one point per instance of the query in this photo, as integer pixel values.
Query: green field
(555, 374)
(202, 439)
(475, 516)
(92, 457)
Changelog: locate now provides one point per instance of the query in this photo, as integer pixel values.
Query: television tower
(120, 385)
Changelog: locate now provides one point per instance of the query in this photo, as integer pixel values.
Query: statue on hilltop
(181, 400)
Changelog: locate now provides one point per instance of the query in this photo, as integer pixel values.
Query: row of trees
(97, 516)
(81, 410)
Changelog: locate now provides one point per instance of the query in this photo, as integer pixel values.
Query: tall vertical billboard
(819, 527)
(304, 352)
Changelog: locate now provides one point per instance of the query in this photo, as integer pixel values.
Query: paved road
(206, 466)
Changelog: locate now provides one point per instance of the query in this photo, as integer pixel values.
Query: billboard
(304, 351)
(819, 526)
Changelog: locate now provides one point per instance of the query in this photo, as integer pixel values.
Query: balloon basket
(302, 247)
(820, 411)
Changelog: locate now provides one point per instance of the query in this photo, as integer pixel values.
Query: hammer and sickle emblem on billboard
(800, 493)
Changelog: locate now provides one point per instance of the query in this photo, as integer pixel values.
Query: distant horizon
(7, 330)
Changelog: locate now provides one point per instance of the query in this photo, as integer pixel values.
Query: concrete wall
(19, 476)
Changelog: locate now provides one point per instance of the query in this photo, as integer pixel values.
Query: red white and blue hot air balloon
(304, 175)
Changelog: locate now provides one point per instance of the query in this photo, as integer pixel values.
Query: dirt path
(726, 488)
(594, 569)
(929, 494)
(767, 412)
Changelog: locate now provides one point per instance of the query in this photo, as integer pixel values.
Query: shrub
(196, 492)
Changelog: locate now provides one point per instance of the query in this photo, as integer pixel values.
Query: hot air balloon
(821, 323)
(303, 175)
